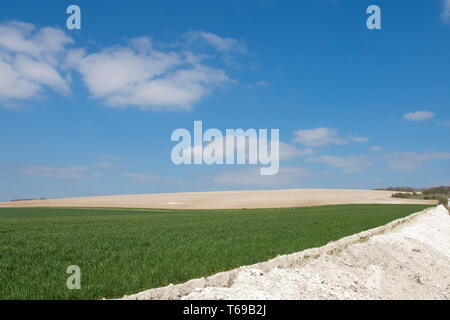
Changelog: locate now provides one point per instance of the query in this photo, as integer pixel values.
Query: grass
(124, 251)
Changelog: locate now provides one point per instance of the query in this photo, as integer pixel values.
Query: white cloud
(418, 116)
(351, 164)
(251, 177)
(318, 137)
(142, 76)
(30, 60)
(410, 161)
(71, 172)
(445, 14)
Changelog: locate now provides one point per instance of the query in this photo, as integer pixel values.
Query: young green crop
(124, 251)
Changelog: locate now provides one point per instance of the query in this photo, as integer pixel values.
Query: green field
(124, 251)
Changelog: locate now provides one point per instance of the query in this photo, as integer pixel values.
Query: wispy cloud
(286, 151)
(359, 139)
(376, 149)
(107, 165)
(221, 44)
(71, 172)
(445, 14)
(258, 84)
(351, 164)
(109, 157)
(443, 123)
(30, 60)
(418, 116)
(318, 137)
(144, 177)
(250, 177)
(410, 161)
(108, 162)
(153, 178)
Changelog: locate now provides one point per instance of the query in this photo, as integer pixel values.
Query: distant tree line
(440, 190)
(27, 199)
(404, 189)
(441, 193)
(433, 190)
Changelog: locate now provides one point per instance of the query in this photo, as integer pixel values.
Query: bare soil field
(226, 199)
(408, 258)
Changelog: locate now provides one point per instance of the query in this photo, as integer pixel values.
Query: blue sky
(91, 111)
